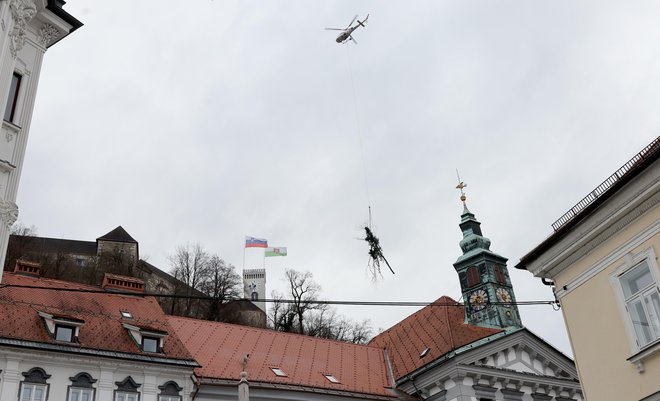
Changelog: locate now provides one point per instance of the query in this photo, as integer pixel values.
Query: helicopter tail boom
(363, 21)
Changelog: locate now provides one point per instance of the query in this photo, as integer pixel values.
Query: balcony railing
(607, 184)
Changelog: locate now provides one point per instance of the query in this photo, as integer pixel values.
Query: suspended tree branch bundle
(376, 256)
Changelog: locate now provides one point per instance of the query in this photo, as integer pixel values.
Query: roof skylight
(425, 352)
(278, 372)
(331, 378)
(126, 314)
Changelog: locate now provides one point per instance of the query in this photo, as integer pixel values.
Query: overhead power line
(277, 300)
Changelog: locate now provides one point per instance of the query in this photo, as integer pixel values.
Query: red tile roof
(440, 327)
(102, 328)
(220, 348)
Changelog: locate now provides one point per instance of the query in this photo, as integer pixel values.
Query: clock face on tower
(478, 299)
(503, 295)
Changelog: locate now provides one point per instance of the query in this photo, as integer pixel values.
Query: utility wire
(275, 300)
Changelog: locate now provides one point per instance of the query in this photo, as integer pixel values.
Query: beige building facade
(602, 261)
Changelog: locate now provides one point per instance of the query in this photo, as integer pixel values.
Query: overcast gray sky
(211, 120)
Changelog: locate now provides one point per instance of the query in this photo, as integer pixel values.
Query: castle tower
(29, 28)
(484, 277)
(254, 286)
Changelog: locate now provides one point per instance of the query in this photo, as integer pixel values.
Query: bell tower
(484, 277)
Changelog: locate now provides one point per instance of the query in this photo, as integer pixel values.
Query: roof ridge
(119, 234)
(450, 326)
(46, 279)
(39, 237)
(418, 312)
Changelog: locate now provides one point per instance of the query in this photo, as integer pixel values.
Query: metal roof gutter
(101, 353)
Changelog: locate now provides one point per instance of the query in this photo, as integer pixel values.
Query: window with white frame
(81, 394)
(34, 387)
(636, 285)
(33, 392)
(123, 396)
(642, 298)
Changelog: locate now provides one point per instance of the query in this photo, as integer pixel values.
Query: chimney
(114, 282)
(27, 268)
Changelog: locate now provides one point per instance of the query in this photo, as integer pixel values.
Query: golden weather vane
(460, 187)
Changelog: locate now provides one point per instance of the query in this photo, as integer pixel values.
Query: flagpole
(243, 256)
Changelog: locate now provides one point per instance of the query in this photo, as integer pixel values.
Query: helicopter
(345, 35)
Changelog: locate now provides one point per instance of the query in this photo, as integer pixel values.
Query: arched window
(81, 388)
(127, 390)
(35, 386)
(473, 277)
(255, 296)
(169, 392)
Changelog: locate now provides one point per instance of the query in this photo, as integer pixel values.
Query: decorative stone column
(10, 380)
(243, 388)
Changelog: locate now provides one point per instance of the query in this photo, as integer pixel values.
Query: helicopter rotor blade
(334, 29)
(351, 38)
(352, 21)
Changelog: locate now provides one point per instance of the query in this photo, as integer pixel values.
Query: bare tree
(327, 323)
(222, 284)
(281, 316)
(304, 314)
(304, 291)
(361, 332)
(190, 265)
(22, 237)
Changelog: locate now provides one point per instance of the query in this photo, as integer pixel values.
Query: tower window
(10, 107)
(499, 275)
(473, 277)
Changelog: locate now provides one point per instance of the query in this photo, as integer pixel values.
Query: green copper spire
(484, 277)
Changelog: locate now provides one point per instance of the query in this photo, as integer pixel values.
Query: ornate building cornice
(22, 12)
(8, 212)
(47, 34)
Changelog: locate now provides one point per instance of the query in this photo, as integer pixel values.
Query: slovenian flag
(271, 251)
(251, 242)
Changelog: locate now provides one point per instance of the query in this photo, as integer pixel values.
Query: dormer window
(62, 328)
(150, 344)
(149, 340)
(64, 333)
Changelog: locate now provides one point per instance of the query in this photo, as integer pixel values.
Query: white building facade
(63, 341)
(27, 29)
